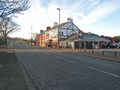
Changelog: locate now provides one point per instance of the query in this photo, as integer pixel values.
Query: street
(53, 70)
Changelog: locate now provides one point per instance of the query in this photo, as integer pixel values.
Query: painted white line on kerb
(105, 72)
(62, 58)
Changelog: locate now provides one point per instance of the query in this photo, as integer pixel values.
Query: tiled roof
(93, 37)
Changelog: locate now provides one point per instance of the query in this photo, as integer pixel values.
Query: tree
(8, 10)
(117, 39)
(7, 26)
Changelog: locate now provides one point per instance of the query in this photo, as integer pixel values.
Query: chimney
(48, 27)
(41, 31)
(55, 23)
(69, 19)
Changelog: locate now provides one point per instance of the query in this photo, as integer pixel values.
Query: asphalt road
(52, 70)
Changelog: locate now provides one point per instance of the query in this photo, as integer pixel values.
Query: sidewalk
(11, 77)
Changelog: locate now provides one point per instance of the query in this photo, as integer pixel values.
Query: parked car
(118, 45)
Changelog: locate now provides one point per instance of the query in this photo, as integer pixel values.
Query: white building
(59, 33)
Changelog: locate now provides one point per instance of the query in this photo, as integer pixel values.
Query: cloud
(101, 11)
(84, 12)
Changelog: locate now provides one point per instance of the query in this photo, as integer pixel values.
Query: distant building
(89, 41)
(68, 35)
(40, 40)
(54, 36)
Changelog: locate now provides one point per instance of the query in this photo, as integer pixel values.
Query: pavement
(11, 76)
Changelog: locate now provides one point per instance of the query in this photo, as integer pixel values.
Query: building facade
(56, 35)
(68, 35)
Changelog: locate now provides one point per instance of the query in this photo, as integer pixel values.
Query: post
(93, 46)
(103, 52)
(79, 46)
(59, 14)
(115, 53)
(31, 35)
(84, 46)
(59, 25)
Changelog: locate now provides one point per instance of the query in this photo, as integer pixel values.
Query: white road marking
(62, 58)
(65, 59)
(105, 72)
(98, 70)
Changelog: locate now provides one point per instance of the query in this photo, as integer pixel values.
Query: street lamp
(59, 24)
(59, 14)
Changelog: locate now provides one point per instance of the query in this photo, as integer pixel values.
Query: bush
(113, 46)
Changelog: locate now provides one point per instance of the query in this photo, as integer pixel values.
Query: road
(53, 70)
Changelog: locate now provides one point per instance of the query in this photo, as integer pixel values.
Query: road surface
(52, 70)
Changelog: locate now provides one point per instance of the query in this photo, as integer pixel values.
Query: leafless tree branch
(8, 8)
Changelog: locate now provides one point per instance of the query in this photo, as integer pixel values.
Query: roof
(93, 37)
(73, 37)
(57, 26)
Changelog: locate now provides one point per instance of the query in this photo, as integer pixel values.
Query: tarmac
(109, 54)
(13, 75)
(105, 54)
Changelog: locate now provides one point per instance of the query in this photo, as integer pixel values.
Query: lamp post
(59, 24)
(59, 14)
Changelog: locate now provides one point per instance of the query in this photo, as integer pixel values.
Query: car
(118, 45)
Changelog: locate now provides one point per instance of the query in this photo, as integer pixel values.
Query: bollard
(115, 53)
(103, 52)
(92, 50)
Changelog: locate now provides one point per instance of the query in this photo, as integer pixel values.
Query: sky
(101, 17)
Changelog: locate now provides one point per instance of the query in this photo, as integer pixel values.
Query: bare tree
(7, 26)
(8, 9)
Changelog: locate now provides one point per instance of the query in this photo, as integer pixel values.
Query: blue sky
(97, 16)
